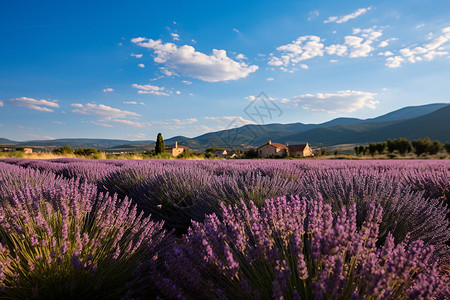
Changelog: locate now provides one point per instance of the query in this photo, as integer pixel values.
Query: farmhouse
(176, 150)
(27, 150)
(302, 150)
(270, 149)
(221, 153)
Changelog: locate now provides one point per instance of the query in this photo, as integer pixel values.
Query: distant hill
(6, 142)
(432, 120)
(410, 112)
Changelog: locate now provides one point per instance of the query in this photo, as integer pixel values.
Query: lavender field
(122, 229)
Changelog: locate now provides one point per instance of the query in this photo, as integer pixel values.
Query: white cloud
(186, 60)
(176, 122)
(139, 135)
(150, 89)
(136, 55)
(187, 82)
(229, 119)
(339, 50)
(270, 79)
(235, 30)
(175, 36)
(333, 60)
(130, 123)
(394, 62)
(102, 110)
(361, 46)
(138, 40)
(178, 92)
(427, 51)
(303, 48)
(420, 26)
(386, 53)
(133, 102)
(341, 101)
(167, 72)
(251, 98)
(141, 65)
(313, 14)
(45, 137)
(1, 103)
(40, 105)
(345, 18)
(108, 90)
(241, 56)
(385, 43)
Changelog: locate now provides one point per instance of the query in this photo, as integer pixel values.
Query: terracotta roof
(276, 145)
(297, 147)
(179, 146)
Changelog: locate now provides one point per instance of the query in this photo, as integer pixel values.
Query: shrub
(406, 211)
(59, 241)
(296, 249)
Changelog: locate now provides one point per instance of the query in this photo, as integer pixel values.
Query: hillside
(432, 120)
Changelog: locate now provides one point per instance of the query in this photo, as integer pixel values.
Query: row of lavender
(114, 228)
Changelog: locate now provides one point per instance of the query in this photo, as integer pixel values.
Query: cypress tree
(160, 147)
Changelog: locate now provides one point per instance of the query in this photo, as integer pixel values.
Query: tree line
(403, 146)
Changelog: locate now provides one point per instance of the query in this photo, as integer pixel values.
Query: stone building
(270, 149)
(176, 150)
(302, 150)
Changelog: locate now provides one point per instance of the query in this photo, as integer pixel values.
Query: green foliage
(20, 149)
(362, 150)
(356, 150)
(391, 146)
(209, 155)
(434, 147)
(160, 146)
(447, 147)
(63, 150)
(381, 147)
(402, 145)
(372, 148)
(213, 149)
(188, 154)
(163, 155)
(251, 153)
(86, 151)
(421, 146)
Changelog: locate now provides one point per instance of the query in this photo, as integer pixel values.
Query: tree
(421, 146)
(251, 153)
(447, 147)
(356, 150)
(86, 151)
(372, 148)
(160, 146)
(434, 147)
(391, 146)
(63, 150)
(381, 147)
(362, 150)
(402, 145)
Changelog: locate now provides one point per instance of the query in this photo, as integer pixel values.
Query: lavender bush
(406, 212)
(297, 249)
(61, 241)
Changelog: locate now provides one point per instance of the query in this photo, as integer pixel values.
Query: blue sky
(131, 69)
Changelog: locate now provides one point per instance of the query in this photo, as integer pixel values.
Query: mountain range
(413, 122)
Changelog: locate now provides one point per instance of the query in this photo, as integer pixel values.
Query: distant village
(268, 150)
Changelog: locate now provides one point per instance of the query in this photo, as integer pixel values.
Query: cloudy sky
(131, 69)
